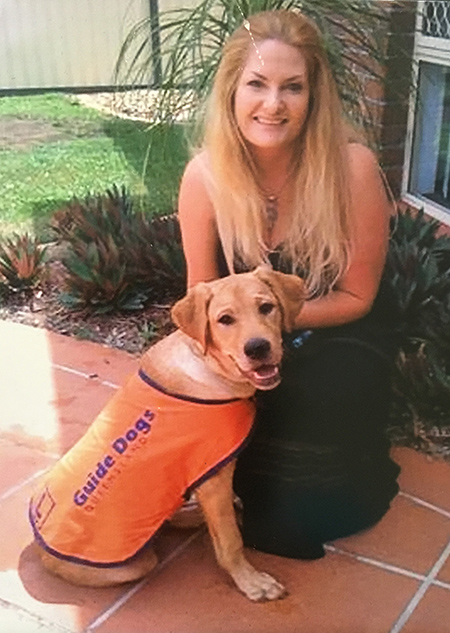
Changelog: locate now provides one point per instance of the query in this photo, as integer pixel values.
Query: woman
(280, 180)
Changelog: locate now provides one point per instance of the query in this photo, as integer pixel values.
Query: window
(427, 175)
(436, 18)
(430, 165)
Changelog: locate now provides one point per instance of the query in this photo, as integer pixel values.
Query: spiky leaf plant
(191, 41)
(22, 259)
(418, 270)
(118, 257)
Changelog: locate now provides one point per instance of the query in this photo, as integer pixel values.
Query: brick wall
(386, 100)
(398, 79)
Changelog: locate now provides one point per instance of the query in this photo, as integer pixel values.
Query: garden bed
(40, 307)
(414, 261)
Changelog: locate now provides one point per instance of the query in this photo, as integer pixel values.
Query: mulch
(41, 307)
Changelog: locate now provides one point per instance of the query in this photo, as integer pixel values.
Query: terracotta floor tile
(432, 615)
(444, 573)
(424, 477)
(16, 620)
(25, 584)
(91, 358)
(66, 403)
(408, 536)
(75, 607)
(46, 406)
(78, 401)
(21, 343)
(333, 595)
(26, 378)
(18, 463)
(34, 590)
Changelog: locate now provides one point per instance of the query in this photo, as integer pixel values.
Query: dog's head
(238, 321)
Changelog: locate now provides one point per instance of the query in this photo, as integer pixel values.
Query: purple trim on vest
(149, 381)
(215, 469)
(83, 561)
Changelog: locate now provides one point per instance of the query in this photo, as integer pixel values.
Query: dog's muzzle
(263, 374)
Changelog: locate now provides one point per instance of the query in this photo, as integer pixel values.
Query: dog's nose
(257, 348)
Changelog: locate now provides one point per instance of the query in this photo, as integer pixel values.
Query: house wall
(395, 100)
(388, 99)
(63, 43)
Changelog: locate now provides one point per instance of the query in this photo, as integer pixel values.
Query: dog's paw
(260, 587)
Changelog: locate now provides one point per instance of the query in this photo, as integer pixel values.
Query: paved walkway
(394, 577)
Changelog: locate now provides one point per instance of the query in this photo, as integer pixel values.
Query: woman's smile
(265, 121)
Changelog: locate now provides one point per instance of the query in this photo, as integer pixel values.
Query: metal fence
(66, 44)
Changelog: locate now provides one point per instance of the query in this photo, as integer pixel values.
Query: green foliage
(3, 292)
(48, 107)
(118, 257)
(192, 40)
(53, 148)
(148, 332)
(22, 259)
(418, 270)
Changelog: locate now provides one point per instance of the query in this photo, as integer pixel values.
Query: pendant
(271, 212)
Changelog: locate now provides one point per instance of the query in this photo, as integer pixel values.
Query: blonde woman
(280, 179)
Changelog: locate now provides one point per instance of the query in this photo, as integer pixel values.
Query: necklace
(271, 212)
(271, 203)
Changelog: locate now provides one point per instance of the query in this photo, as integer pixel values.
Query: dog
(97, 510)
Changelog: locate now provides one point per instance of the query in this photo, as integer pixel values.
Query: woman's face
(272, 96)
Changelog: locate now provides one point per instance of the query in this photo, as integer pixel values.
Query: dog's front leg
(216, 499)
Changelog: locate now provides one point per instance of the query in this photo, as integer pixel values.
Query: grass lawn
(52, 148)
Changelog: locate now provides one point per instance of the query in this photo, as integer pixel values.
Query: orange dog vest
(109, 495)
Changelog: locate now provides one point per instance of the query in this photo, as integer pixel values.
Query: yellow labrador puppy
(174, 427)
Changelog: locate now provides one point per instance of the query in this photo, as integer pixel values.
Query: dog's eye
(266, 308)
(226, 319)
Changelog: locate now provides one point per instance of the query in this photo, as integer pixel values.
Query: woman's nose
(273, 99)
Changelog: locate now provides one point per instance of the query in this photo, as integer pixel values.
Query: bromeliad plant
(183, 48)
(418, 270)
(118, 257)
(22, 260)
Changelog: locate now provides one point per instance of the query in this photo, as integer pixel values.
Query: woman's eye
(295, 87)
(226, 319)
(266, 308)
(255, 83)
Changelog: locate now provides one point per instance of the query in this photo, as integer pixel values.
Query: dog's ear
(289, 291)
(190, 314)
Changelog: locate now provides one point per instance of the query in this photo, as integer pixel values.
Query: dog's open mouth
(264, 376)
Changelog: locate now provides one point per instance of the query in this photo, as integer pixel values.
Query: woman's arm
(198, 225)
(356, 290)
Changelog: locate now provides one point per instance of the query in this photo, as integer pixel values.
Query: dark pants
(317, 467)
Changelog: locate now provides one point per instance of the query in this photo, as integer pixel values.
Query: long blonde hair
(318, 241)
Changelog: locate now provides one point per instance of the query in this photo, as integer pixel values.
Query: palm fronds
(191, 41)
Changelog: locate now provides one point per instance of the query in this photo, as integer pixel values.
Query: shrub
(116, 256)
(22, 259)
(418, 270)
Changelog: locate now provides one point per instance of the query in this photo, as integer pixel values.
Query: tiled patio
(395, 577)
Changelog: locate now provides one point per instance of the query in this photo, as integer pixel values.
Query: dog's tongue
(266, 371)
(266, 374)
